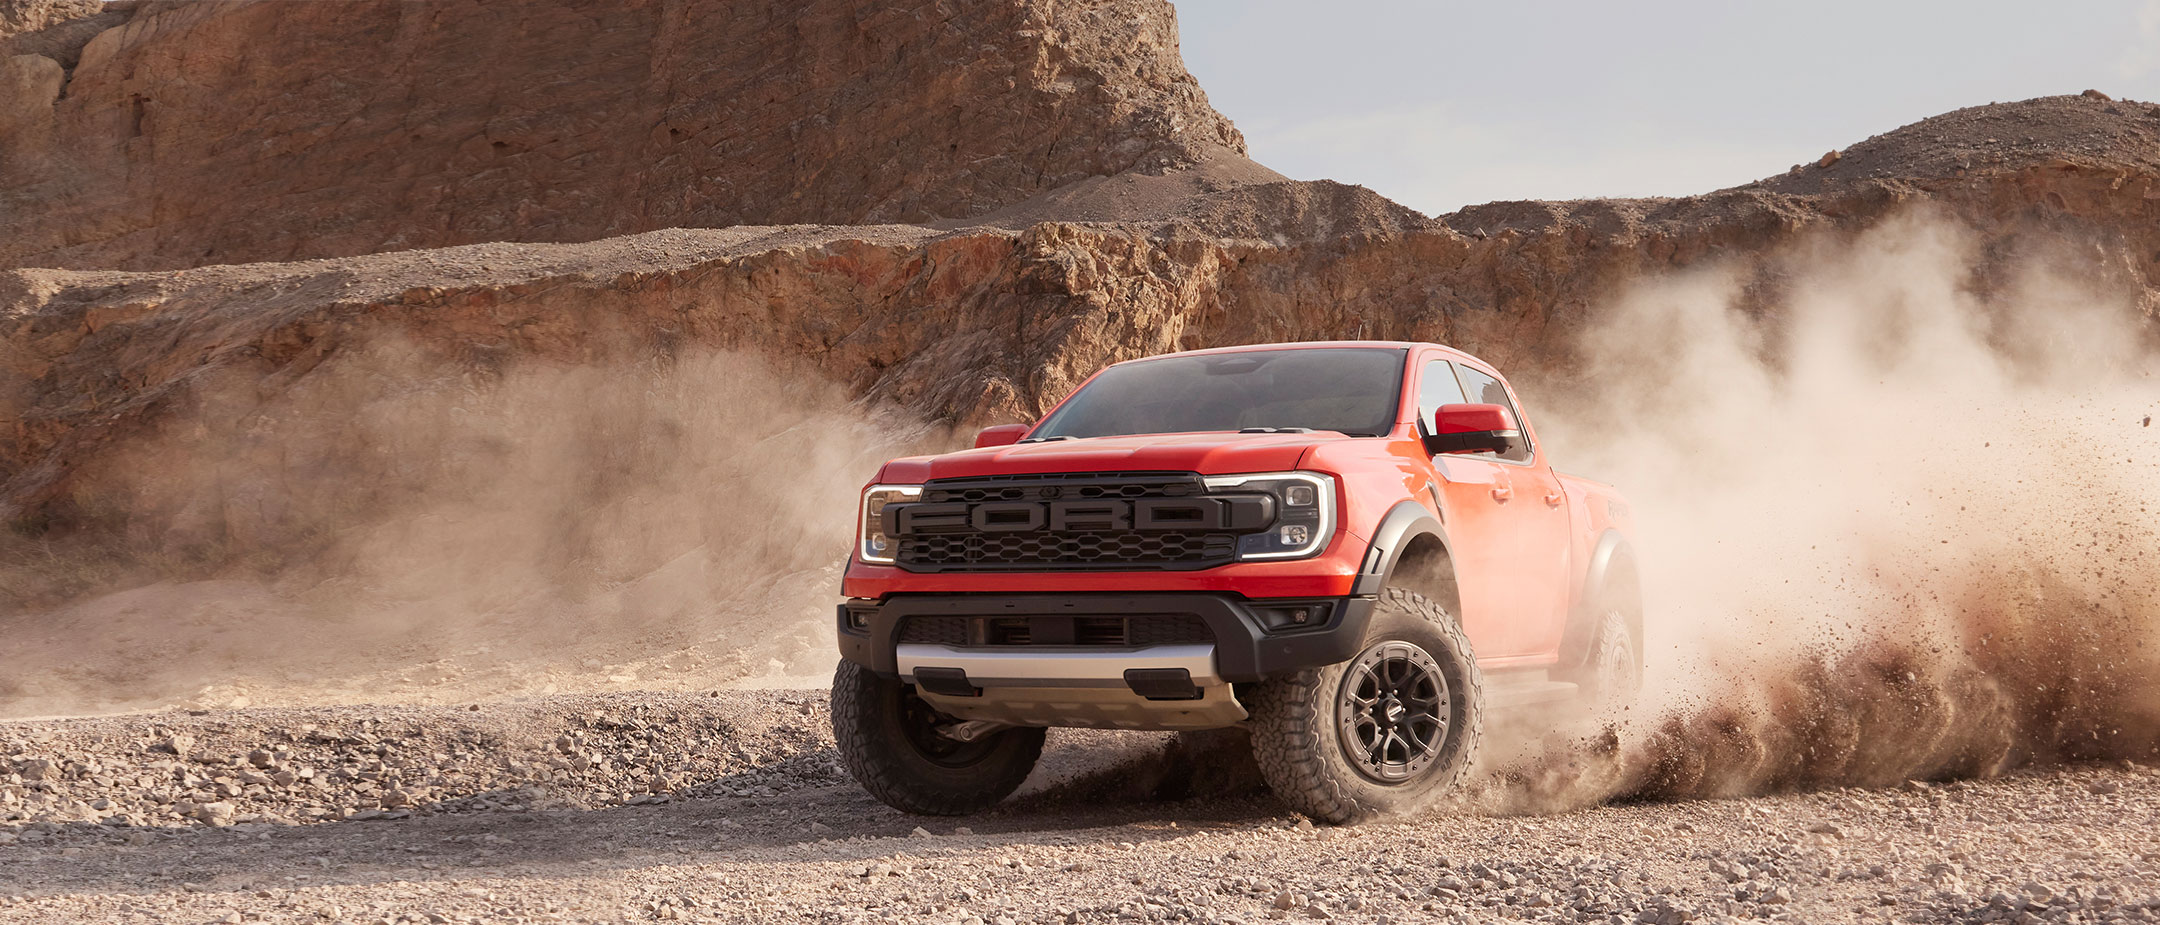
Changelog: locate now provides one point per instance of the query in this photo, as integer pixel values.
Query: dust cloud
(1894, 523)
(399, 526)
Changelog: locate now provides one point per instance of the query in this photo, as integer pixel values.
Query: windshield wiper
(1048, 439)
(1275, 430)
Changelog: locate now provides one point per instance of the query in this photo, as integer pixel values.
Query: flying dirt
(1902, 528)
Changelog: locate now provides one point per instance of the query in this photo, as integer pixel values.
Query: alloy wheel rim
(1393, 712)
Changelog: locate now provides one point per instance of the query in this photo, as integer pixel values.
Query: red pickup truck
(1352, 549)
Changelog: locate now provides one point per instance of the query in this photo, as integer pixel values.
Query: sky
(1439, 104)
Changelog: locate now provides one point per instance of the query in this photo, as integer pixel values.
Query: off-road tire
(1612, 675)
(878, 724)
(1299, 739)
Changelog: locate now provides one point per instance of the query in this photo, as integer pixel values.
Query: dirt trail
(731, 808)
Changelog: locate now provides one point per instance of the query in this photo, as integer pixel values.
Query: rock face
(36, 39)
(28, 86)
(221, 132)
(58, 30)
(18, 16)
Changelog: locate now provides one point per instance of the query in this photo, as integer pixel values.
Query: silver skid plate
(1093, 708)
(1076, 686)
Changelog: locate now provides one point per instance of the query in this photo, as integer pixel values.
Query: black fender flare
(1608, 559)
(1405, 522)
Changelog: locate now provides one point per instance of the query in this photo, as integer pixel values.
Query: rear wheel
(891, 741)
(1612, 670)
(1383, 733)
(1614, 677)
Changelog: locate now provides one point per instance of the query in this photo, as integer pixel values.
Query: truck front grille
(1071, 522)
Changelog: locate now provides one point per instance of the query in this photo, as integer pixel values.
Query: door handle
(1554, 497)
(1503, 492)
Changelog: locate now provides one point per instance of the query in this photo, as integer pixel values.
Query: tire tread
(1292, 716)
(885, 775)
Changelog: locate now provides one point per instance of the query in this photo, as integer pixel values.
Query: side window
(1486, 390)
(1436, 387)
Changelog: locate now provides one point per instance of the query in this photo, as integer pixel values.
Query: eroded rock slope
(229, 131)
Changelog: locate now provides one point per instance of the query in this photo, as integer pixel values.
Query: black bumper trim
(1244, 651)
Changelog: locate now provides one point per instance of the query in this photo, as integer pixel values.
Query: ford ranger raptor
(1354, 550)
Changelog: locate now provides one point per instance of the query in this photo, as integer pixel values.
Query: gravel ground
(731, 808)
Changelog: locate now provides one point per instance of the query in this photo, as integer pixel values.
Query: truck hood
(1207, 454)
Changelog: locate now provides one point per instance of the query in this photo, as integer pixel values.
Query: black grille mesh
(1148, 630)
(1163, 631)
(1072, 550)
(937, 631)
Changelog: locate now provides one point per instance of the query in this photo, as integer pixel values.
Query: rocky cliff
(190, 133)
(24, 16)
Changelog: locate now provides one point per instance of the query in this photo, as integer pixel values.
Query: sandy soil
(731, 808)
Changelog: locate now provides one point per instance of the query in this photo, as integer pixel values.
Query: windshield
(1353, 390)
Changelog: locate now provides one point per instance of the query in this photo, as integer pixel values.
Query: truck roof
(1314, 344)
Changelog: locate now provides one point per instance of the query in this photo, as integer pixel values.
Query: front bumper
(1244, 648)
(1330, 574)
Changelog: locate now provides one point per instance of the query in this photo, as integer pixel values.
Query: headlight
(875, 546)
(1305, 512)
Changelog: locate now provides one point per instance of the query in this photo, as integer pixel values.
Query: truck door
(1508, 530)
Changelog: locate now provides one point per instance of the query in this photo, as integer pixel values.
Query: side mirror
(1001, 435)
(1472, 429)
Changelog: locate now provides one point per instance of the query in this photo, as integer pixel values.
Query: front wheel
(891, 742)
(1383, 733)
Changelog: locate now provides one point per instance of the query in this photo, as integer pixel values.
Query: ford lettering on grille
(1154, 520)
